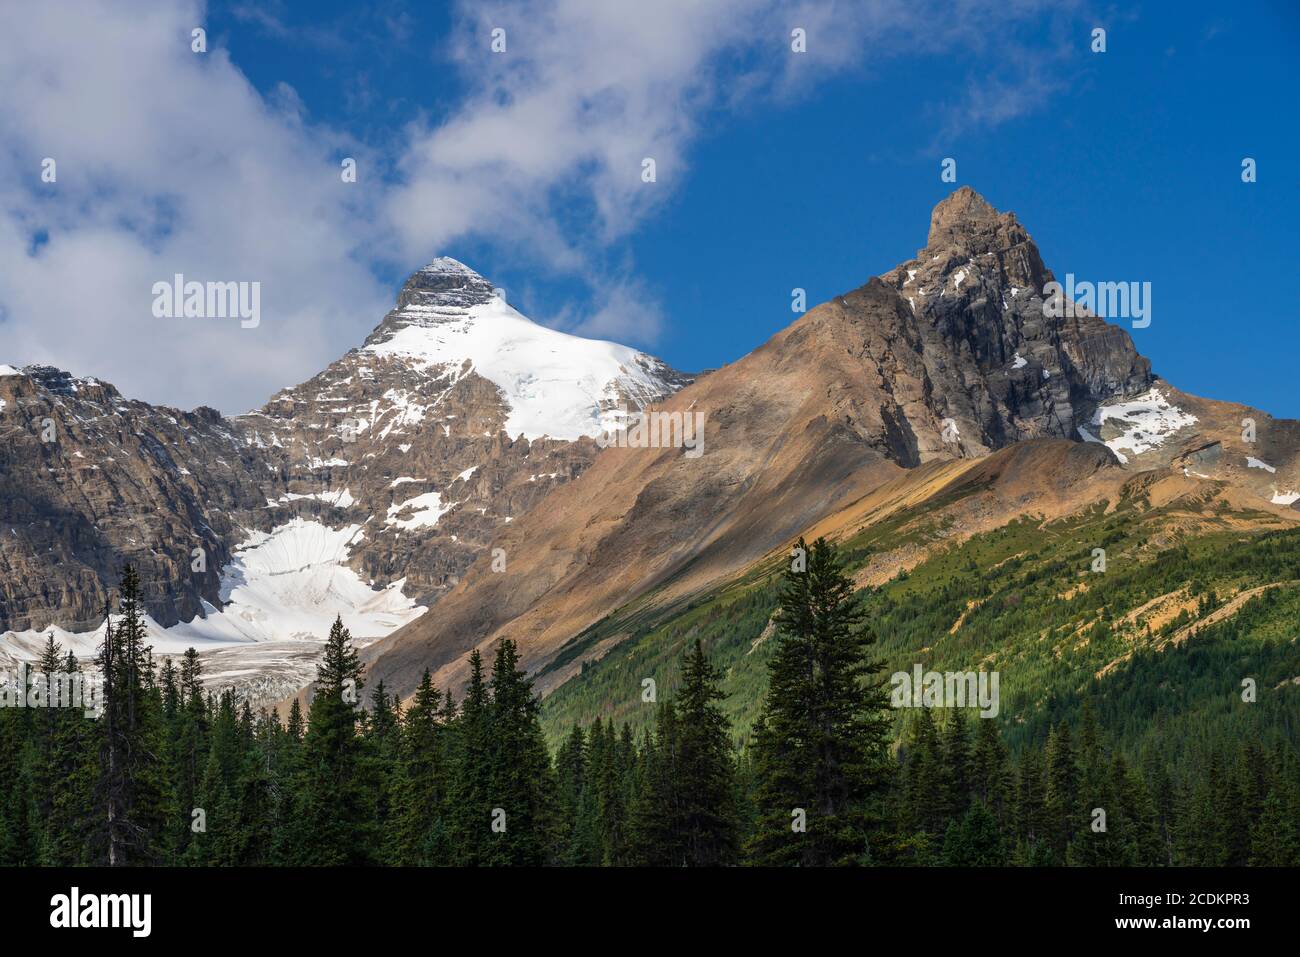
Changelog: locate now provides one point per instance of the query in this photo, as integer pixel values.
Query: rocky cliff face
(985, 354)
(369, 488)
(90, 480)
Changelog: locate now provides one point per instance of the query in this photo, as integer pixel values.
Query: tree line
(169, 773)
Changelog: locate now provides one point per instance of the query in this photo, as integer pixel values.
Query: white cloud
(167, 161)
(170, 161)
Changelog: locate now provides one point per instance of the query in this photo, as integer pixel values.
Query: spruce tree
(821, 740)
(975, 841)
(1064, 819)
(521, 825)
(657, 841)
(990, 771)
(74, 766)
(383, 727)
(337, 801)
(471, 756)
(135, 805)
(571, 775)
(956, 759)
(419, 834)
(706, 812)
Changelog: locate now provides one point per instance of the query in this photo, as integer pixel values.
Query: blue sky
(777, 171)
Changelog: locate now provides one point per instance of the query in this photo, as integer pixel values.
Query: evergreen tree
(1061, 794)
(1273, 838)
(991, 771)
(522, 786)
(73, 774)
(337, 801)
(821, 741)
(134, 808)
(607, 773)
(1032, 827)
(975, 841)
(706, 811)
(419, 831)
(571, 774)
(471, 783)
(657, 842)
(924, 782)
(383, 735)
(956, 758)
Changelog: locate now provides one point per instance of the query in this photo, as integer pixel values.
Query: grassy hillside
(1162, 639)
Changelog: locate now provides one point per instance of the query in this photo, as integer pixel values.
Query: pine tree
(821, 740)
(956, 758)
(1061, 795)
(471, 781)
(338, 802)
(135, 808)
(420, 830)
(522, 786)
(706, 807)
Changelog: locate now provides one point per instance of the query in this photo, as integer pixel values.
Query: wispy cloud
(171, 161)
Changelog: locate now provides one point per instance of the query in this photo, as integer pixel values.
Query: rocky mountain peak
(445, 282)
(965, 223)
(443, 290)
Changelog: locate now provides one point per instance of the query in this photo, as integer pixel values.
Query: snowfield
(1144, 422)
(282, 587)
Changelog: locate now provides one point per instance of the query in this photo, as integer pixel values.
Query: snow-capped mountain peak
(450, 320)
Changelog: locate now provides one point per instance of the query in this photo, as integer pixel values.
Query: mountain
(949, 356)
(365, 491)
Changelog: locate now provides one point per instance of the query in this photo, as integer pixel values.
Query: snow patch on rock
(1143, 423)
(425, 510)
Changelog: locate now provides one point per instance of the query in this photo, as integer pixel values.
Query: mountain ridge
(949, 355)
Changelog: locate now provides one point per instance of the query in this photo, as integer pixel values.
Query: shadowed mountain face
(947, 356)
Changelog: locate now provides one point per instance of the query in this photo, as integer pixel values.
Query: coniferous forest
(169, 773)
